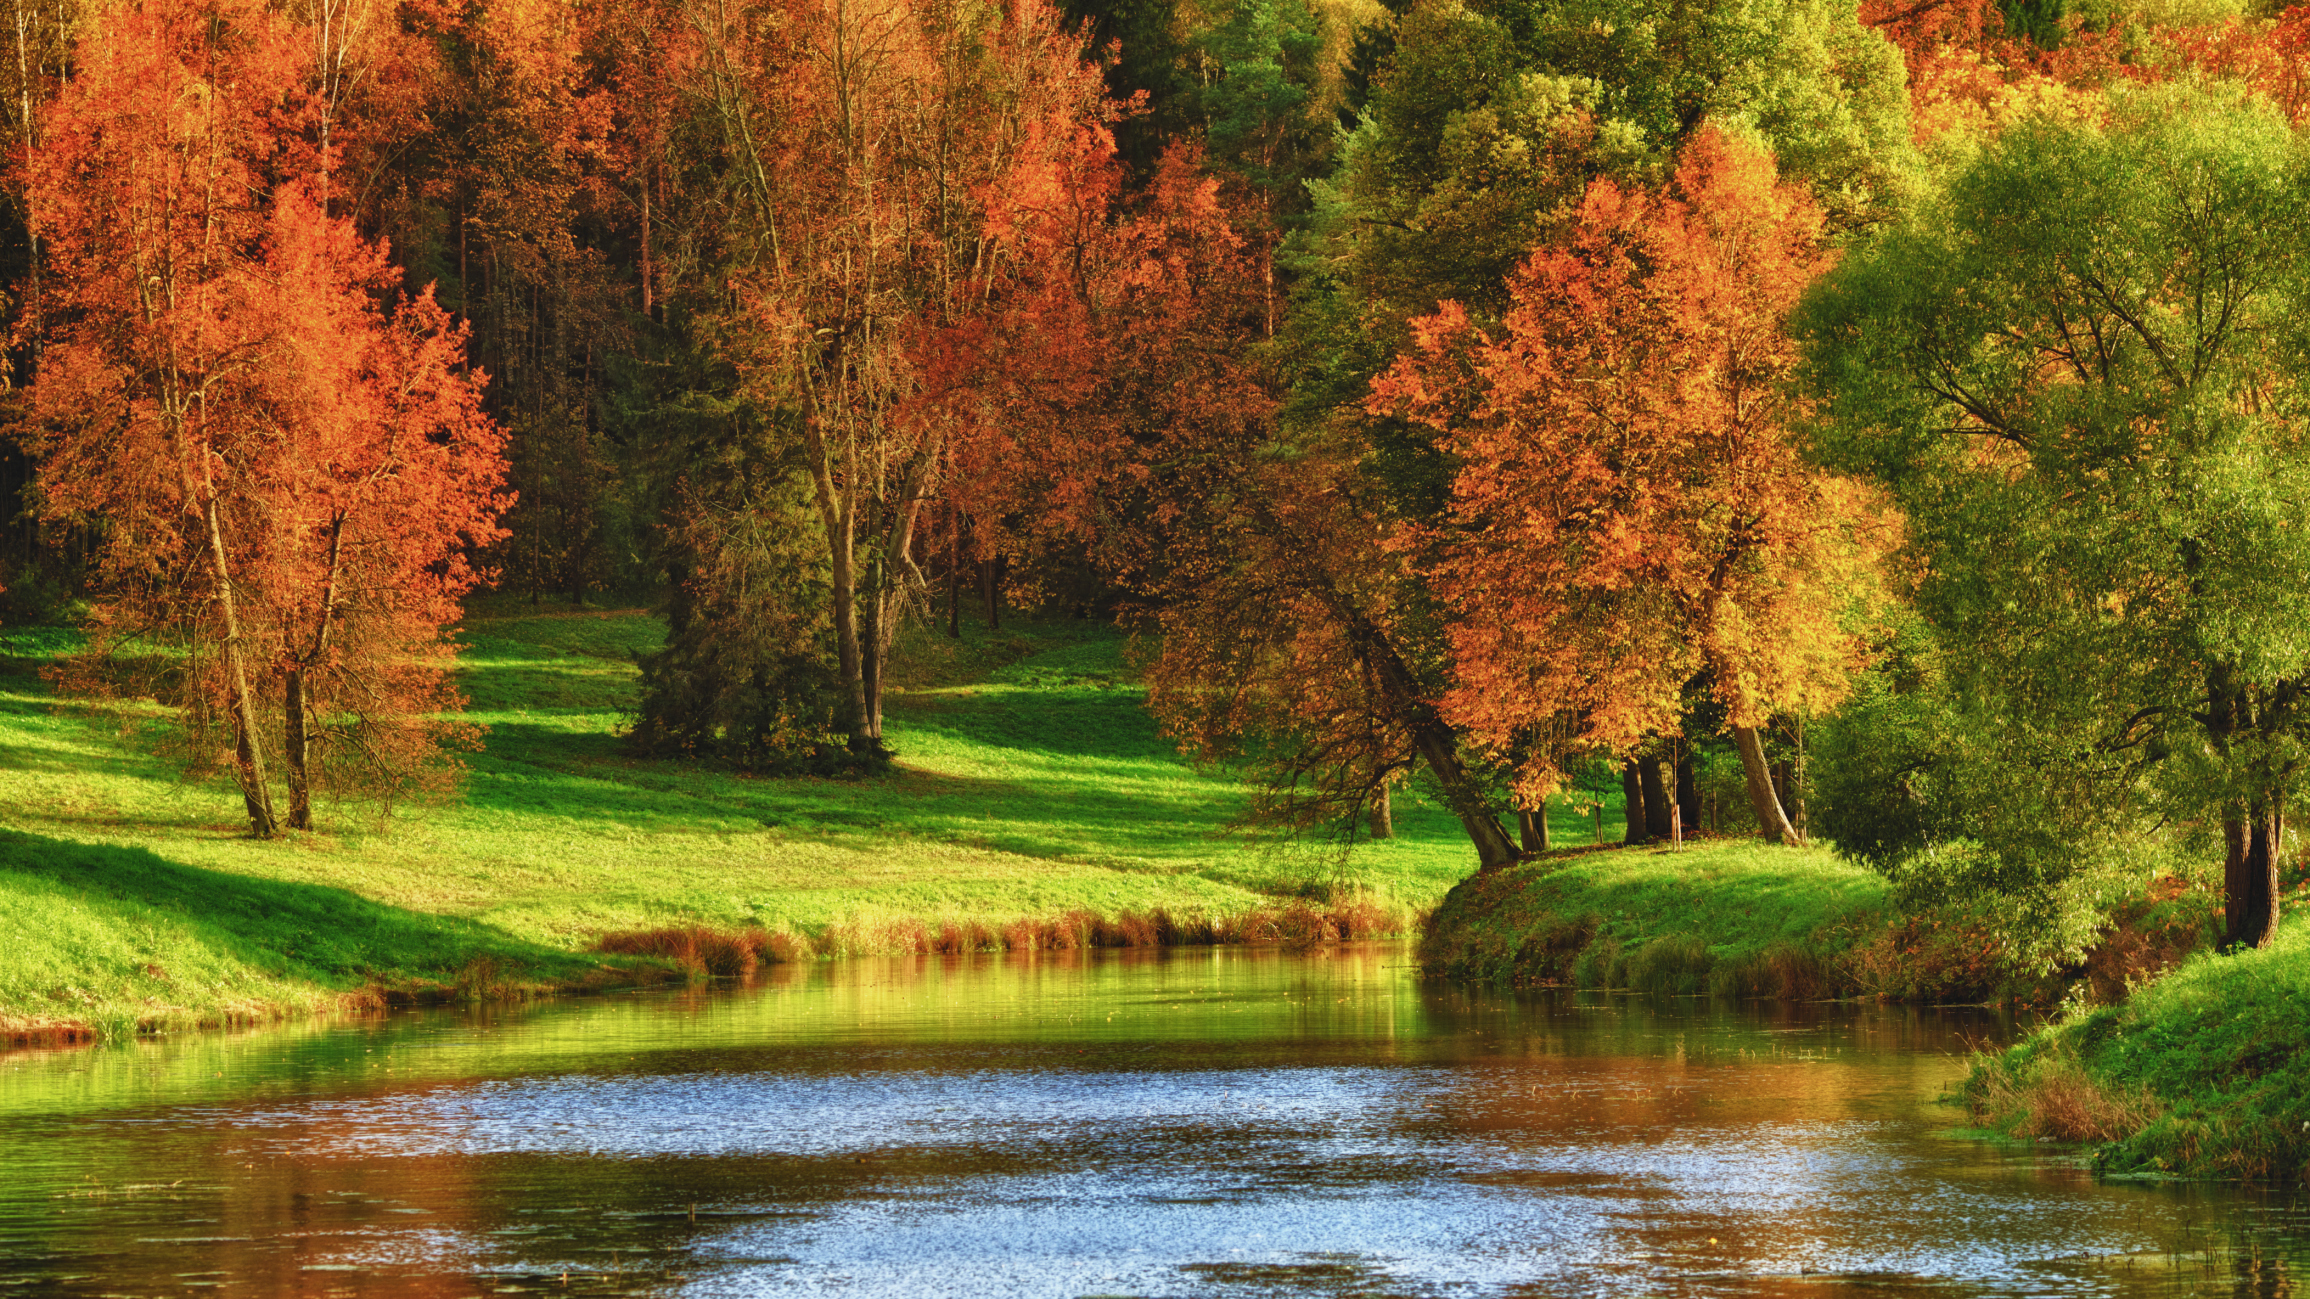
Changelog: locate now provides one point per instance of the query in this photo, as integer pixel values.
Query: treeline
(1897, 403)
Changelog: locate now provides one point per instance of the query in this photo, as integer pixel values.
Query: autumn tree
(286, 465)
(1631, 509)
(867, 141)
(2079, 373)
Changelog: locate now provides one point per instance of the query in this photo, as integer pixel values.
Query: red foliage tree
(284, 466)
(1630, 508)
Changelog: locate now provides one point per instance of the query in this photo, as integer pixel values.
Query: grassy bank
(2202, 1073)
(1732, 915)
(1032, 790)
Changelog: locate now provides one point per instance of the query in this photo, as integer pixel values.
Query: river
(1225, 1122)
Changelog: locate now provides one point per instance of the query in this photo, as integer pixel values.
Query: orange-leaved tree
(1631, 509)
(871, 147)
(284, 463)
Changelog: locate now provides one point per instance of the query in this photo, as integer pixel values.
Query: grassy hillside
(1728, 915)
(1031, 783)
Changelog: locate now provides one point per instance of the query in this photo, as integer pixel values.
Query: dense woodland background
(1885, 421)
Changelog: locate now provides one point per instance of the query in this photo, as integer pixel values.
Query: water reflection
(1223, 1122)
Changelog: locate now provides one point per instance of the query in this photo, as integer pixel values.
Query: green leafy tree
(2079, 372)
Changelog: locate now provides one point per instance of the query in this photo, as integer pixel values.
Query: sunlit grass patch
(1031, 784)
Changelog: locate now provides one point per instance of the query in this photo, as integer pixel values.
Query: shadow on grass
(288, 930)
(1037, 810)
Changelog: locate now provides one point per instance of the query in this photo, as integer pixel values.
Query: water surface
(1229, 1122)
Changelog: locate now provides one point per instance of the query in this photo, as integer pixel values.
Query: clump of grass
(1671, 965)
(706, 952)
(2049, 1095)
(1788, 971)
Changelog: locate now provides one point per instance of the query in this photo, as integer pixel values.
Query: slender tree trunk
(1687, 794)
(870, 640)
(1770, 818)
(296, 752)
(1656, 808)
(1631, 805)
(297, 698)
(248, 757)
(649, 276)
(954, 584)
(1383, 814)
(837, 514)
(990, 587)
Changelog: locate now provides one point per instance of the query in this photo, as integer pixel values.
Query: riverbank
(1739, 917)
(1033, 796)
(2202, 1073)
(2170, 1059)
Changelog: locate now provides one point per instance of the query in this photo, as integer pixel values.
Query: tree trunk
(1656, 809)
(1383, 814)
(954, 585)
(837, 514)
(1631, 805)
(248, 759)
(2250, 878)
(1433, 738)
(298, 704)
(990, 586)
(1770, 818)
(1687, 794)
(870, 641)
(297, 749)
(1532, 823)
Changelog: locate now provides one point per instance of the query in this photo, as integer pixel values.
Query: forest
(1880, 426)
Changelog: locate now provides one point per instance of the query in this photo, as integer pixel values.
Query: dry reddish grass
(2058, 1102)
(705, 951)
(730, 954)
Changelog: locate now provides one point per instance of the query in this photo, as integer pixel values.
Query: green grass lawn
(1031, 782)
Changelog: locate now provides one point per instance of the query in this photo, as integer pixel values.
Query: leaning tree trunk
(1770, 818)
(2250, 877)
(1433, 738)
(1631, 805)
